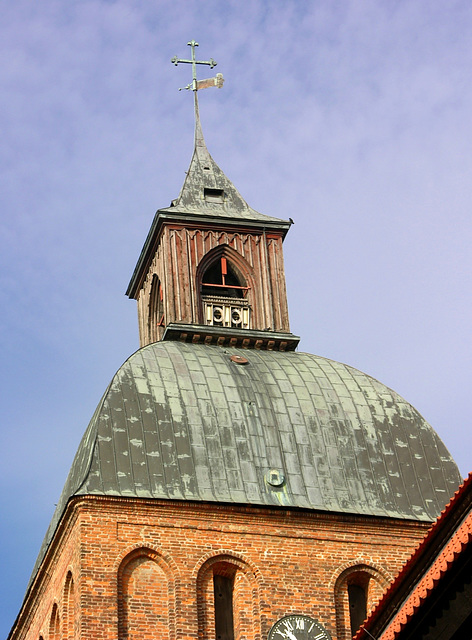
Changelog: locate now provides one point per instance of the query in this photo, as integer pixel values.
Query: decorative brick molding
(372, 578)
(246, 602)
(146, 596)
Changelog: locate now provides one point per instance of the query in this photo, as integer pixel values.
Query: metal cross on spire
(195, 85)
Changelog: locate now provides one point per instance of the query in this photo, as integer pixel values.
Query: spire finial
(196, 85)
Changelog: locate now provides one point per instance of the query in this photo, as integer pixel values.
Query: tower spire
(199, 139)
(211, 269)
(206, 189)
(196, 85)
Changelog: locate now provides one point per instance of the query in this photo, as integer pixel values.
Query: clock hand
(291, 635)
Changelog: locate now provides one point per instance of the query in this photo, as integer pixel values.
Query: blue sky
(352, 118)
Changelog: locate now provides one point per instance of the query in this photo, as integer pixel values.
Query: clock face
(298, 627)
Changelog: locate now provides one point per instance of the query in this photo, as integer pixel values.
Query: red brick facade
(143, 569)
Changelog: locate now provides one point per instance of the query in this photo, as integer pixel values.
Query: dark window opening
(160, 307)
(156, 321)
(220, 280)
(357, 606)
(214, 195)
(223, 592)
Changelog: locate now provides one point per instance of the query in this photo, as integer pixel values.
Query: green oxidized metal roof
(185, 422)
(204, 174)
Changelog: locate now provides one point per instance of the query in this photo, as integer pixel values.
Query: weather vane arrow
(195, 85)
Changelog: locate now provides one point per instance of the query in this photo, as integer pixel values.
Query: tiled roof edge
(444, 557)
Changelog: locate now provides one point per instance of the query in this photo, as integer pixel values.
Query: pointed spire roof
(207, 190)
(207, 195)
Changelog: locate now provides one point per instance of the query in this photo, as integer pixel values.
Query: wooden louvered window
(357, 595)
(223, 593)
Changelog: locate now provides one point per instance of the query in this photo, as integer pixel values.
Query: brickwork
(374, 579)
(54, 598)
(143, 569)
(143, 597)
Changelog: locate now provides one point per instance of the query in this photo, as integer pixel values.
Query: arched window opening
(356, 591)
(156, 322)
(357, 595)
(223, 593)
(227, 600)
(220, 280)
(54, 629)
(224, 296)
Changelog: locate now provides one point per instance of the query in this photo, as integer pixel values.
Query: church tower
(211, 266)
(229, 487)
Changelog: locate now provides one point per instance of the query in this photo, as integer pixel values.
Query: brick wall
(144, 569)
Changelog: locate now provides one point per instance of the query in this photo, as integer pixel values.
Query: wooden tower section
(211, 269)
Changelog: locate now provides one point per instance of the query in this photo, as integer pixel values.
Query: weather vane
(195, 85)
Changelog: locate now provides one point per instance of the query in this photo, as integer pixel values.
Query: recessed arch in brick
(54, 623)
(372, 580)
(245, 595)
(146, 596)
(69, 609)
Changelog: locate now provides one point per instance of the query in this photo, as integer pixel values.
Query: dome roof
(188, 422)
(193, 422)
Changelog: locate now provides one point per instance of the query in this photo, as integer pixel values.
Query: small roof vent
(214, 195)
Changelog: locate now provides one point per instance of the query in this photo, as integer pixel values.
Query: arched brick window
(144, 608)
(54, 624)
(68, 609)
(228, 602)
(357, 589)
